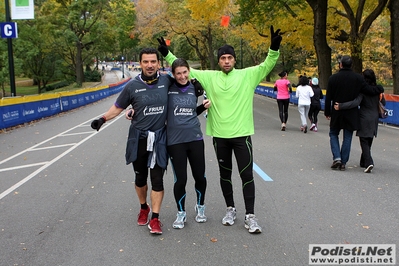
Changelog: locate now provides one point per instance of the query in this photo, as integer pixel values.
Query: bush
(92, 76)
(57, 85)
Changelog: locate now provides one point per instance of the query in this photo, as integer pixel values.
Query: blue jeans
(340, 153)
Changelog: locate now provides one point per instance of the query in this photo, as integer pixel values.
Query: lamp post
(10, 54)
(123, 68)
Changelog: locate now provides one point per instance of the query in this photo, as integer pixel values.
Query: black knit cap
(226, 49)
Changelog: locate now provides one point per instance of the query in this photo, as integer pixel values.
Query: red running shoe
(155, 226)
(144, 216)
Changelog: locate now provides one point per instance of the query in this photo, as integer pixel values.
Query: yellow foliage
(208, 10)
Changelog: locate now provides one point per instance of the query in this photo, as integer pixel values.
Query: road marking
(22, 166)
(47, 164)
(261, 173)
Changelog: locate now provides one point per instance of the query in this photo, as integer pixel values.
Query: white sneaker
(251, 224)
(180, 220)
(230, 216)
(200, 210)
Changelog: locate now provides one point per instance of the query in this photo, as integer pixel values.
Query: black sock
(154, 215)
(144, 206)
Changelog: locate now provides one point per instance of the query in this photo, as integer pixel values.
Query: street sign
(9, 30)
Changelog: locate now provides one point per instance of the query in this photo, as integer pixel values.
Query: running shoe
(230, 216)
(155, 226)
(144, 216)
(180, 220)
(251, 224)
(200, 210)
(312, 127)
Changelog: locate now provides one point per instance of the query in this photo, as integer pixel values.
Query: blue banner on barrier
(25, 112)
(392, 105)
(20, 113)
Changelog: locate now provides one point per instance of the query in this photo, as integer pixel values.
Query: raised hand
(275, 39)
(162, 48)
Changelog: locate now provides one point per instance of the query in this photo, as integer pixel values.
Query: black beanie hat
(226, 49)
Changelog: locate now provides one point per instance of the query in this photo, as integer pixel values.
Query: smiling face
(149, 64)
(227, 62)
(181, 74)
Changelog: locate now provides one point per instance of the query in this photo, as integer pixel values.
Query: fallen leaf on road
(214, 239)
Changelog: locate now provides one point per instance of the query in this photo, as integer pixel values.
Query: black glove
(96, 124)
(199, 90)
(162, 48)
(275, 39)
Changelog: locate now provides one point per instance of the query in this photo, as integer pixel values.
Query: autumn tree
(360, 22)
(198, 23)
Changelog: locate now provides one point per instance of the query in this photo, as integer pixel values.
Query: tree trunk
(79, 64)
(323, 51)
(393, 7)
(356, 47)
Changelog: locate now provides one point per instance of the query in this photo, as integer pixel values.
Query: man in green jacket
(230, 120)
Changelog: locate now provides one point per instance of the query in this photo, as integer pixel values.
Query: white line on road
(22, 166)
(47, 164)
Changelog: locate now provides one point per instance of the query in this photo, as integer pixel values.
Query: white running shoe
(230, 216)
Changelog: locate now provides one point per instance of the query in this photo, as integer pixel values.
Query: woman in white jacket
(304, 92)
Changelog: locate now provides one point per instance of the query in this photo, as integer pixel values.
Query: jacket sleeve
(256, 74)
(351, 104)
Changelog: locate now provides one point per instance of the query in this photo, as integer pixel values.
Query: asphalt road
(67, 196)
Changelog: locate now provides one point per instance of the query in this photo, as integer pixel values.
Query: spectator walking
(315, 105)
(342, 87)
(284, 89)
(304, 92)
(368, 113)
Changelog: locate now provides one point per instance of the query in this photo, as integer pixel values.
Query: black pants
(141, 170)
(283, 109)
(313, 113)
(194, 153)
(242, 147)
(365, 157)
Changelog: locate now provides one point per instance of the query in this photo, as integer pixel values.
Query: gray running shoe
(251, 224)
(180, 220)
(200, 210)
(230, 216)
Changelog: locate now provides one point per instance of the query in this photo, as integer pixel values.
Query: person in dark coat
(342, 87)
(315, 105)
(368, 113)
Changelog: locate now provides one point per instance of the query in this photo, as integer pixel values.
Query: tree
(323, 50)
(359, 26)
(393, 7)
(198, 23)
(79, 26)
(40, 59)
